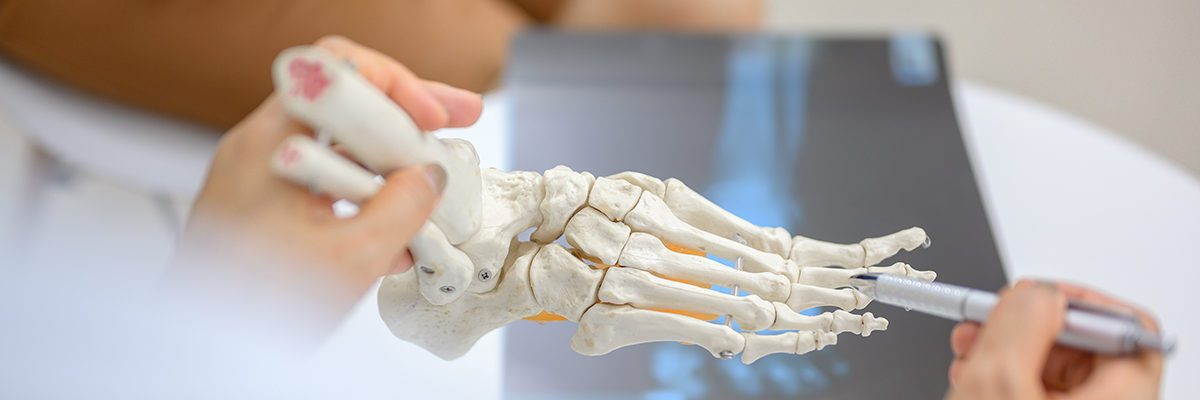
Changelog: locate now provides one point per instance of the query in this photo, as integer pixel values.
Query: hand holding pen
(1014, 354)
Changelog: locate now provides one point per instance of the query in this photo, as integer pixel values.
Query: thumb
(1018, 335)
(394, 215)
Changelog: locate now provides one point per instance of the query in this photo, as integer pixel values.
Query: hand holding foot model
(635, 270)
(269, 250)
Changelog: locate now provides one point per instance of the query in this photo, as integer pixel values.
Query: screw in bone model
(485, 275)
(427, 270)
(726, 355)
(927, 242)
(447, 289)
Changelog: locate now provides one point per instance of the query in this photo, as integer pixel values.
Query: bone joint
(635, 270)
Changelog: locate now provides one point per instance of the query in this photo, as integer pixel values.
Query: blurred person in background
(208, 61)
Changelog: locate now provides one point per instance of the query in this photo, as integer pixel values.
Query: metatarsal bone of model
(653, 216)
(643, 290)
(646, 252)
(473, 274)
(607, 327)
(695, 210)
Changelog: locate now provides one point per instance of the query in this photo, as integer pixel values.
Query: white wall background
(1130, 66)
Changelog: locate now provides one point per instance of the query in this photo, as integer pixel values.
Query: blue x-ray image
(688, 373)
(761, 131)
(837, 139)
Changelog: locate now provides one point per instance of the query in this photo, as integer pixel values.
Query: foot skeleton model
(472, 275)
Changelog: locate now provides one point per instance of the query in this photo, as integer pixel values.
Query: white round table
(1070, 200)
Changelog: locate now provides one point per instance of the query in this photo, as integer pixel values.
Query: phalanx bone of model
(472, 275)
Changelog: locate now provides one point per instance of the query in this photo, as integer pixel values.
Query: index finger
(1090, 296)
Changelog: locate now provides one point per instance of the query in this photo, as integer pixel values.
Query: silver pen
(1089, 328)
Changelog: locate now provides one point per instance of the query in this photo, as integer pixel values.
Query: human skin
(264, 248)
(1014, 356)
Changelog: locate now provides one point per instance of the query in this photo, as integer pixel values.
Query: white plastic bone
(646, 252)
(652, 215)
(607, 327)
(562, 283)
(510, 206)
(697, 211)
(804, 297)
(444, 271)
(836, 277)
(758, 346)
(448, 331)
(614, 197)
(646, 182)
(837, 321)
(625, 221)
(877, 249)
(566, 193)
(589, 230)
(300, 158)
(643, 290)
(460, 219)
(808, 252)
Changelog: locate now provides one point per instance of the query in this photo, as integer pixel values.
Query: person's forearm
(208, 61)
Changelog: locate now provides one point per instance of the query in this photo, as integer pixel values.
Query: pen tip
(864, 283)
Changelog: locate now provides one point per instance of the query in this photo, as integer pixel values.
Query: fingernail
(435, 175)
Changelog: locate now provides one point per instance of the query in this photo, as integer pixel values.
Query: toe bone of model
(758, 346)
(643, 290)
